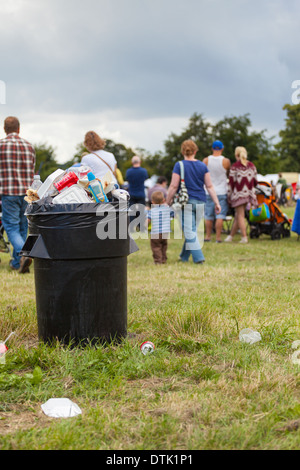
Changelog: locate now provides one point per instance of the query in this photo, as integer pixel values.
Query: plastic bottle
(96, 189)
(37, 183)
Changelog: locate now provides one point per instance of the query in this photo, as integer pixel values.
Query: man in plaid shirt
(17, 163)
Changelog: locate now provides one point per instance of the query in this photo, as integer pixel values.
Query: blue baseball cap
(217, 145)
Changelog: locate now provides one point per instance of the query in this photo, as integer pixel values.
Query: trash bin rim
(81, 208)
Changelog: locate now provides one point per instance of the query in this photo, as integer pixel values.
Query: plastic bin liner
(80, 273)
(78, 231)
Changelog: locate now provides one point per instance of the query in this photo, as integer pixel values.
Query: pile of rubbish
(76, 185)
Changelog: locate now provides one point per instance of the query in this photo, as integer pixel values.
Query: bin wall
(79, 300)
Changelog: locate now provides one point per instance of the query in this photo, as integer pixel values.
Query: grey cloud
(147, 59)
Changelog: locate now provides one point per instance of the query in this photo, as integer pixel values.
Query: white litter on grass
(60, 408)
(296, 355)
(247, 335)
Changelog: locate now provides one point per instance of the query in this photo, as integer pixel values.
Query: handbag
(182, 197)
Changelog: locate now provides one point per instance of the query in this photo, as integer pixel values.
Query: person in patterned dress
(241, 191)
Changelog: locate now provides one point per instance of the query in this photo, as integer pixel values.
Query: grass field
(202, 388)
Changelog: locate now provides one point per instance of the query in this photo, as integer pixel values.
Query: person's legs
(23, 220)
(240, 212)
(208, 229)
(209, 216)
(156, 248)
(191, 217)
(219, 226)
(239, 223)
(185, 254)
(220, 217)
(14, 224)
(164, 248)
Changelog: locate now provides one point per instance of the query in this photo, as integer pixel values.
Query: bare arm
(173, 188)
(226, 165)
(211, 190)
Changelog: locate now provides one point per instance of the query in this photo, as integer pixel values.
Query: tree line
(233, 131)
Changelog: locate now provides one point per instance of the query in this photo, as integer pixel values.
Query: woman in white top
(99, 160)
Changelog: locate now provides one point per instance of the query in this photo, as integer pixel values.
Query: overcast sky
(136, 70)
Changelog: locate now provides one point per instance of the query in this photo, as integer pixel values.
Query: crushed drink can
(147, 347)
(68, 180)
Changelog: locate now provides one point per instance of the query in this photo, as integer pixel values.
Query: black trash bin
(80, 276)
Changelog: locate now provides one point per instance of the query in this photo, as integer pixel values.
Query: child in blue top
(159, 216)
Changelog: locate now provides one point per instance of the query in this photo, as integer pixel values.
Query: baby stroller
(4, 243)
(268, 218)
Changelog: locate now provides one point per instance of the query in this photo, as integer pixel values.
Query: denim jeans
(15, 224)
(190, 218)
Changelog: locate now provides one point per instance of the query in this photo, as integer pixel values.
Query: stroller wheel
(276, 234)
(254, 232)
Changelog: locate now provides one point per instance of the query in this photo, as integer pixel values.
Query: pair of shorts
(210, 208)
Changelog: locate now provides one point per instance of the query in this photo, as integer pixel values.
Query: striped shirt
(17, 163)
(160, 216)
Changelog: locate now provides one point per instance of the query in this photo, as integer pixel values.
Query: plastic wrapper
(60, 408)
(247, 335)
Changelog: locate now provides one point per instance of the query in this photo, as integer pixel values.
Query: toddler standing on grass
(159, 216)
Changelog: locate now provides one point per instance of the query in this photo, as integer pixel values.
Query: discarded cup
(147, 347)
(296, 357)
(3, 350)
(83, 171)
(247, 335)
(60, 408)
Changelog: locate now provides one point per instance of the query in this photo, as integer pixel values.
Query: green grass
(200, 389)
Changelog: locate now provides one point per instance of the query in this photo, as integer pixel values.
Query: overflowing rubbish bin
(80, 255)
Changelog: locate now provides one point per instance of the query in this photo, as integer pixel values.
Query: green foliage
(8, 380)
(45, 160)
(197, 130)
(122, 154)
(236, 131)
(289, 145)
(201, 388)
(233, 131)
